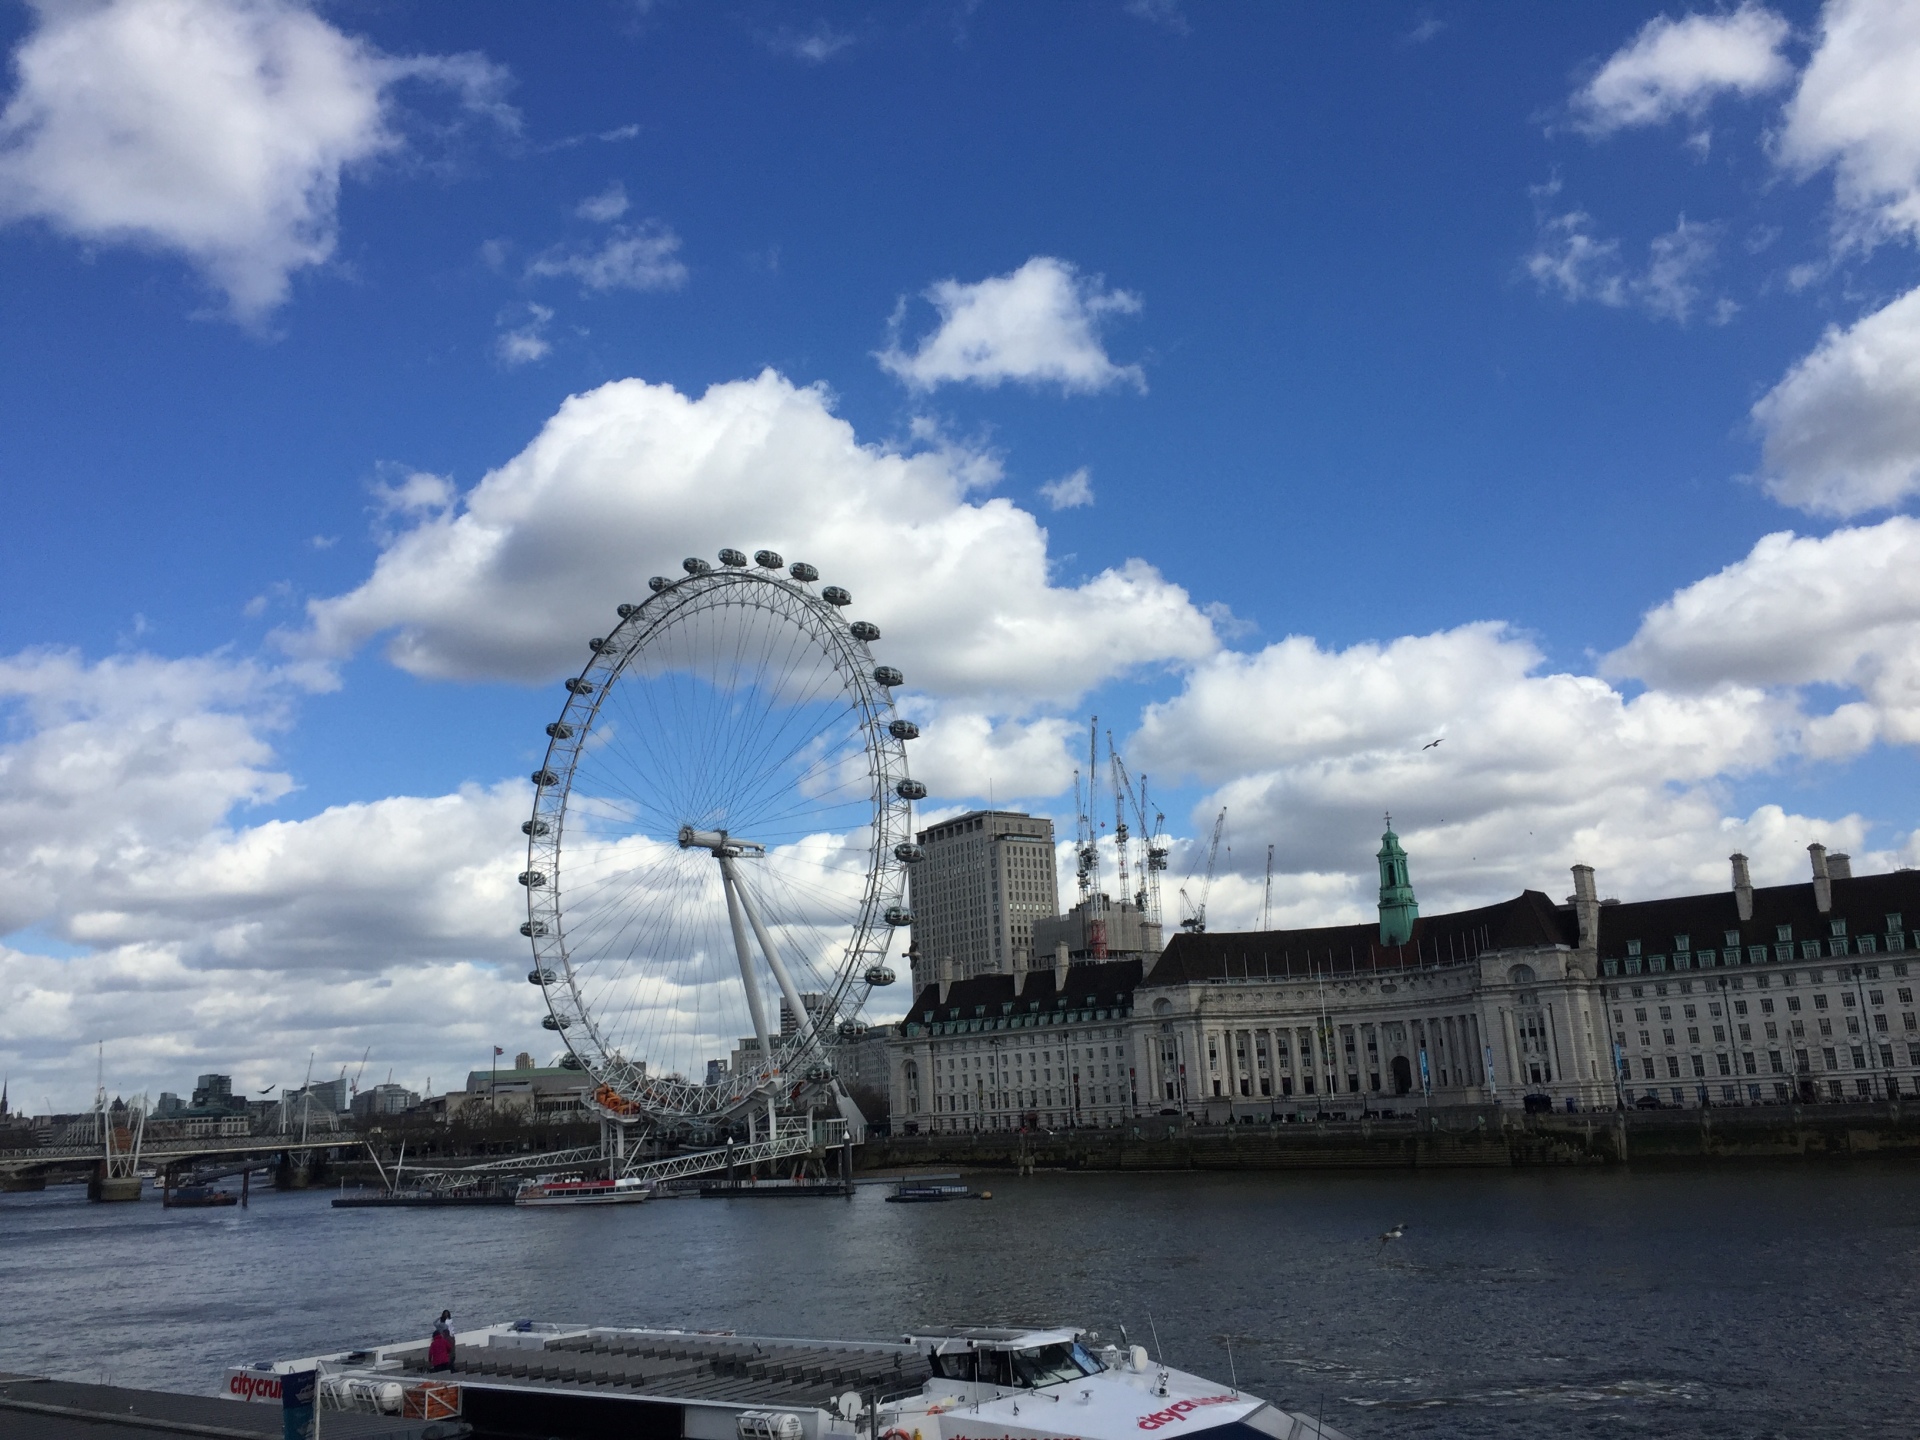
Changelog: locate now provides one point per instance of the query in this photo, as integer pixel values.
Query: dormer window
(1733, 939)
(1683, 942)
(1633, 947)
(1838, 929)
(1783, 933)
(1894, 922)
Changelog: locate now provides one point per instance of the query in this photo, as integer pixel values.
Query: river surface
(1715, 1303)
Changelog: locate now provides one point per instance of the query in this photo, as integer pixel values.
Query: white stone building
(1744, 997)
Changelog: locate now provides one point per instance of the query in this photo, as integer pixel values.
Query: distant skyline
(1288, 386)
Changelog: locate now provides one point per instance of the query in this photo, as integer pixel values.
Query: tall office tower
(987, 876)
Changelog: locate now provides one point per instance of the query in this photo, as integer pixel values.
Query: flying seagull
(1394, 1234)
(1431, 743)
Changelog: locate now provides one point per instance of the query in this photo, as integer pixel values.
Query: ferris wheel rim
(623, 1088)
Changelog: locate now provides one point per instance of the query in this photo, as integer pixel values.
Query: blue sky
(1467, 346)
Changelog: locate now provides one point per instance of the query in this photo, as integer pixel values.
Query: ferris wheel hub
(718, 841)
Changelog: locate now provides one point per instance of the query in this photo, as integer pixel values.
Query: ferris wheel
(719, 842)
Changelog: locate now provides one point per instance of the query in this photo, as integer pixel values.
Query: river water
(1748, 1302)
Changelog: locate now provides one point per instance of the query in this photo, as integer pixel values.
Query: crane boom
(1120, 832)
(1196, 921)
(1266, 904)
(1153, 839)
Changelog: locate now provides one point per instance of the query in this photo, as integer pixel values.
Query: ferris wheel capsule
(879, 976)
(733, 559)
(768, 559)
(910, 790)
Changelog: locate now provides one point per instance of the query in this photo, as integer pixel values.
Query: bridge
(117, 1169)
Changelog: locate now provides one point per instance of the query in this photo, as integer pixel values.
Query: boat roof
(945, 1339)
(744, 1370)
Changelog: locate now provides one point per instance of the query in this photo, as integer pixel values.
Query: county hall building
(1748, 996)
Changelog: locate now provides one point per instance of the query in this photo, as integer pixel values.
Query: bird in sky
(1431, 743)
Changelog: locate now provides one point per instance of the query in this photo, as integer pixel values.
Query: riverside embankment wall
(1446, 1139)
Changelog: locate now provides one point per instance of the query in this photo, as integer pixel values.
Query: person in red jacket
(440, 1347)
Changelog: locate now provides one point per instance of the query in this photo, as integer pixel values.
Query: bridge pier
(105, 1188)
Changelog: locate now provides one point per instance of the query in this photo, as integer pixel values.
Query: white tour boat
(581, 1382)
(624, 1191)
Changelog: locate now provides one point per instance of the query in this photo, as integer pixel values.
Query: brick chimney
(1839, 866)
(946, 977)
(1742, 886)
(1060, 963)
(1822, 878)
(1019, 971)
(1586, 907)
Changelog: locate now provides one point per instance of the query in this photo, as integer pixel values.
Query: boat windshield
(1028, 1369)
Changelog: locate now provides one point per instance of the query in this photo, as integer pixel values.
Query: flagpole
(493, 1091)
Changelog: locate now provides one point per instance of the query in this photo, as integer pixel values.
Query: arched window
(1521, 975)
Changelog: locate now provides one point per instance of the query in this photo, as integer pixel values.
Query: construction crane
(1153, 837)
(1120, 831)
(1266, 904)
(1088, 845)
(354, 1088)
(1194, 921)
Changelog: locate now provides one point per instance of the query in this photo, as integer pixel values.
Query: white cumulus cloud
(628, 478)
(193, 933)
(1569, 259)
(609, 205)
(1857, 109)
(1039, 325)
(524, 342)
(1841, 430)
(1839, 610)
(1070, 491)
(1536, 770)
(218, 130)
(1675, 67)
(635, 257)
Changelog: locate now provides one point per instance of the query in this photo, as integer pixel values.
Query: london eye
(718, 847)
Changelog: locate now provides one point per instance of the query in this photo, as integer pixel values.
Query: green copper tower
(1398, 908)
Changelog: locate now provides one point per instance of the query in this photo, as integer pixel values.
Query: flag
(498, 1051)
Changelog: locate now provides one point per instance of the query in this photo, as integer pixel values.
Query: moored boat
(921, 1192)
(578, 1382)
(198, 1197)
(624, 1191)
